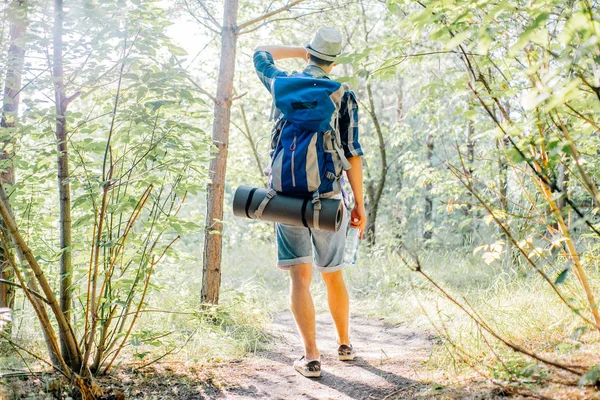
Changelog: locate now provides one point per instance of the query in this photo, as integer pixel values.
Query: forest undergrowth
(520, 307)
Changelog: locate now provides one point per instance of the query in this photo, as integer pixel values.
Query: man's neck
(325, 68)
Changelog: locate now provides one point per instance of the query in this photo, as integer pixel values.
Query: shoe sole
(349, 357)
(308, 374)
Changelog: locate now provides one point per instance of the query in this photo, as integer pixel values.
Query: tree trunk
(64, 188)
(502, 176)
(8, 123)
(400, 102)
(375, 194)
(248, 134)
(428, 214)
(468, 210)
(397, 211)
(211, 263)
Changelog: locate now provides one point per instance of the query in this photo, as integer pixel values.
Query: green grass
(521, 309)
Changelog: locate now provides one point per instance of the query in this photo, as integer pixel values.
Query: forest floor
(391, 364)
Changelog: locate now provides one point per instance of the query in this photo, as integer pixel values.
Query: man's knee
(301, 275)
(333, 278)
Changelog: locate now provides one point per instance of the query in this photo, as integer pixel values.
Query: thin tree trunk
(377, 190)
(374, 190)
(10, 115)
(578, 269)
(248, 134)
(397, 210)
(469, 229)
(502, 177)
(398, 216)
(428, 214)
(563, 183)
(503, 185)
(400, 102)
(64, 188)
(211, 263)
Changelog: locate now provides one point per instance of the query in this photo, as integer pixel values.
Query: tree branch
(36, 294)
(196, 85)
(482, 324)
(297, 17)
(268, 15)
(210, 17)
(208, 13)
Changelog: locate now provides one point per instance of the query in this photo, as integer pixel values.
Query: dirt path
(390, 365)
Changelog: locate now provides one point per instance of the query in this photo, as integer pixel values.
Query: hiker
(342, 150)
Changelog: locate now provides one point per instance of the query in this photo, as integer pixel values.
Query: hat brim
(322, 56)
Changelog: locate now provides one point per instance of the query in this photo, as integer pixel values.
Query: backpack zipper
(293, 149)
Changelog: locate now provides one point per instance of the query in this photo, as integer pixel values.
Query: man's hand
(358, 218)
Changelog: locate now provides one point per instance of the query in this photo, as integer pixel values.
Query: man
(295, 244)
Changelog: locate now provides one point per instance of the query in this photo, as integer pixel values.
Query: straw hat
(326, 44)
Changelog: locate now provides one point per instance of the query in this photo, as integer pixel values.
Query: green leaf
(177, 51)
(135, 341)
(577, 23)
(141, 92)
(456, 40)
(562, 277)
(591, 377)
(142, 355)
(515, 155)
(484, 41)
(527, 35)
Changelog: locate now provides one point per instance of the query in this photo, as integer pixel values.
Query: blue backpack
(307, 159)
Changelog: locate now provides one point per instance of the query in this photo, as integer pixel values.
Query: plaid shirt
(348, 115)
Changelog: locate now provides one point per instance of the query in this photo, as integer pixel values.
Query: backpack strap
(263, 204)
(336, 126)
(338, 146)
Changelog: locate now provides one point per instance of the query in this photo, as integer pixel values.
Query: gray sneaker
(308, 368)
(346, 353)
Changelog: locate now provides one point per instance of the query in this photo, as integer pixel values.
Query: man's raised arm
(280, 52)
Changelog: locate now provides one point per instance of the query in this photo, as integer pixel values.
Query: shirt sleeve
(266, 69)
(349, 126)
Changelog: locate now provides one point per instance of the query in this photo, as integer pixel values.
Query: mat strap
(316, 209)
(263, 204)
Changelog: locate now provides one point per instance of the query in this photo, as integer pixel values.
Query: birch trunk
(211, 263)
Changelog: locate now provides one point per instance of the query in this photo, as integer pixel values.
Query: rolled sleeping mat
(267, 205)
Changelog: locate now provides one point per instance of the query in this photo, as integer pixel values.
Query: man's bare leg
(339, 304)
(303, 308)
